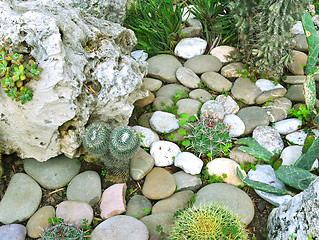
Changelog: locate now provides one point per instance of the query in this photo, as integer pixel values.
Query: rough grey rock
(278, 109)
(164, 122)
(55, 34)
(190, 47)
(111, 10)
(21, 199)
(268, 138)
(138, 206)
(163, 67)
(85, 187)
(187, 77)
(185, 181)
(253, 117)
(120, 228)
(295, 93)
(299, 216)
(54, 173)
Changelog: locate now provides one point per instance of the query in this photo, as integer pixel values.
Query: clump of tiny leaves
(208, 136)
(62, 230)
(15, 72)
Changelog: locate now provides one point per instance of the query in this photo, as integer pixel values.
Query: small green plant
(179, 94)
(157, 25)
(103, 173)
(297, 176)
(160, 230)
(217, 23)
(311, 71)
(208, 179)
(62, 230)
(302, 114)
(15, 72)
(207, 222)
(207, 136)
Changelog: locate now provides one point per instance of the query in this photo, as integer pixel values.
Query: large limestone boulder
(300, 216)
(76, 86)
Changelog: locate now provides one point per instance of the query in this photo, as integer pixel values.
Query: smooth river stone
(21, 199)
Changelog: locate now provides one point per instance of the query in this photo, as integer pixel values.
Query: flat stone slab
(21, 199)
(54, 173)
(120, 228)
(185, 181)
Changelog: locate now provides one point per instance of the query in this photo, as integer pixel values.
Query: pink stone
(113, 201)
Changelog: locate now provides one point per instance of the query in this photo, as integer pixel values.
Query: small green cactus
(207, 222)
(96, 139)
(208, 136)
(124, 142)
(116, 170)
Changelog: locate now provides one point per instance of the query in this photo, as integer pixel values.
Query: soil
(12, 164)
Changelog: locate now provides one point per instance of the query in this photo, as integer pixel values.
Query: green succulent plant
(313, 50)
(116, 170)
(212, 222)
(96, 139)
(124, 142)
(297, 176)
(207, 136)
(15, 73)
(61, 230)
(264, 32)
(157, 25)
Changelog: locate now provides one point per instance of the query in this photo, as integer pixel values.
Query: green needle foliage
(157, 25)
(217, 23)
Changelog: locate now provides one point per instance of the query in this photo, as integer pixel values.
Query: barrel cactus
(208, 136)
(116, 170)
(124, 142)
(96, 138)
(207, 222)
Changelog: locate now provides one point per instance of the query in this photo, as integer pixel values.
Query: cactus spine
(264, 32)
(96, 138)
(208, 136)
(207, 222)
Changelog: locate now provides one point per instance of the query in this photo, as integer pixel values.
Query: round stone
(188, 162)
(13, 232)
(212, 108)
(203, 63)
(164, 152)
(54, 173)
(138, 207)
(171, 90)
(245, 91)
(230, 105)
(221, 166)
(120, 227)
(152, 84)
(187, 77)
(235, 199)
(189, 106)
(147, 136)
(231, 70)
(200, 95)
(288, 125)
(162, 103)
(270, 95)
(39, 221)
(295, 93)
(141, 164)
(21, 199)
(164, 122)
(225, 53)
(267, 85)
(216, 82)
(190, 47)
(278, 109)
(236, 126)
(163, 219)
(163, 67)
(268, 138)
(85, 187)
(159, 184)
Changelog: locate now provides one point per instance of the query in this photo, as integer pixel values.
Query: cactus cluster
(208, 136)
(297, 176)
(264, 32)
(113, 147)
(207, 222)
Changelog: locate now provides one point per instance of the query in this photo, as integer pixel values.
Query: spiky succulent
(62, 230)
(207, 222)
(264, 32)
(124, 142)
(116, 170)
(96, 138)
(208, 136)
